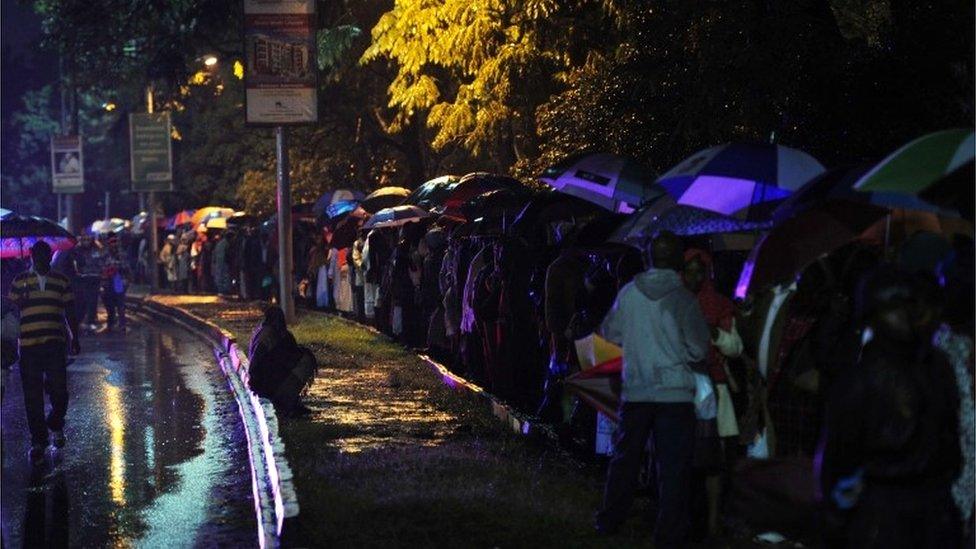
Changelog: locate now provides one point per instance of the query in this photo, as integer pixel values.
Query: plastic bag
(118, 283)
(706, 403)
(759, 449)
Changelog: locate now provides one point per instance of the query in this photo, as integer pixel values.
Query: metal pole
(285, 276)
(153, 231)
(58, 197)
(108, 203)
(142, 202)
(67, 122)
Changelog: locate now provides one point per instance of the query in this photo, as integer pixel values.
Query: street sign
(67, 167)
(150, 152)
(280, 75)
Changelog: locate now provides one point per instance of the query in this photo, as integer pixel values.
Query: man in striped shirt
(48, 328)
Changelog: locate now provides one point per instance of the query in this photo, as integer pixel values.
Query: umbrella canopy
(342, 207)
(816, 221)
(4, 212)
(386, 197)
(205, 214)
(920, 163)
(346, 228)
(18, 233)
(740, 179)
(613, 182)
(396, 216)
(241, 219)
(217, 223)
(433, 193)
(474, 184)
(333, 196)
(181, 218)
(684, 221)
(107, 226)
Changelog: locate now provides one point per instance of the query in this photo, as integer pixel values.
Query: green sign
(150, 152)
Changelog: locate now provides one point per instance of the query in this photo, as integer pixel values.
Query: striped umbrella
(396, 216)
(608, 180)
(333, 196)
(740, 179)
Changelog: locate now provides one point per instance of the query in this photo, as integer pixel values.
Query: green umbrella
(921, 163)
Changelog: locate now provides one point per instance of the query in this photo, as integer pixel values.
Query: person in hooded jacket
(665, 340)
(890, 447)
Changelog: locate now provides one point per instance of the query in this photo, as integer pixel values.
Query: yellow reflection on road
(116, 423)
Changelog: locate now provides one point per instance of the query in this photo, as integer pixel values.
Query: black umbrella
(18, 233)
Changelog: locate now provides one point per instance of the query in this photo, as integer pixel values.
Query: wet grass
(391, 457)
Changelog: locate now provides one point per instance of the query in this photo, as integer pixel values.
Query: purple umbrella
(740, 179)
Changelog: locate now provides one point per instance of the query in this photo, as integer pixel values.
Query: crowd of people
(856, 376)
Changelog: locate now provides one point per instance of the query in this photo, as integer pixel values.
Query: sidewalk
(390, 456)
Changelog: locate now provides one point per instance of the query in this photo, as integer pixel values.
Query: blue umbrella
(740, 179)
(610, 181)
(341, 207)
(331, 197)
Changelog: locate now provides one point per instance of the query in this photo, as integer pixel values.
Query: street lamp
(210, 60)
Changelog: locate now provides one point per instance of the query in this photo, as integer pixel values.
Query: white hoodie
(664, 337)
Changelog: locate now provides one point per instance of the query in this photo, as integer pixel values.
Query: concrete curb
(517, 421)
(275, 499)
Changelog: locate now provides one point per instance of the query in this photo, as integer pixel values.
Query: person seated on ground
(281, 369)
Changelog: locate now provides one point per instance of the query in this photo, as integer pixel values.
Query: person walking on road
(48, 328)
(115, 282)
(665, 338)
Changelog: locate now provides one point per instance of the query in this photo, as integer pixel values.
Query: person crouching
(281, 369)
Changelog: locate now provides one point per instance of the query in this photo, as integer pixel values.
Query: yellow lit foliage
(239, 70)
(460, 59)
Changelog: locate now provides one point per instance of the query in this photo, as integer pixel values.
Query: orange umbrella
(215, 210)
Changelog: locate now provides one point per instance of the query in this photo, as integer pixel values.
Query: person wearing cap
(48, 328)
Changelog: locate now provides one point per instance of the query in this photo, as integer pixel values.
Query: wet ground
(156, 455)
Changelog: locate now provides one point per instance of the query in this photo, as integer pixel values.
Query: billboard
(67, 166)
(280, 76)
(150, 152)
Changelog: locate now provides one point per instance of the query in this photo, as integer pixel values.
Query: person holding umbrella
(48, 327)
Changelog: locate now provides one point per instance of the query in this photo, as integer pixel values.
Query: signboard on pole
(150, 152)
(67, 166)
(280, 76)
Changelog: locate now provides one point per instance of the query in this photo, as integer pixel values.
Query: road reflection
(141, 409)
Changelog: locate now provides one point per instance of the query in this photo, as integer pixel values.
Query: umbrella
(497, 203)
(241, 219)
(396, 216)
(921, 163)
(107, 226)
(19, 233)
(386, 197)
(816, 221)
(740, 179)
(613, 182)
(433, 193)
(204, 214)
(217, 223)
(954, 191)
(474, 184)
(331, 197)
(340, 208)
(4, 212)
(181, 218)
(598, 381)
(683, 221)
(345, 229)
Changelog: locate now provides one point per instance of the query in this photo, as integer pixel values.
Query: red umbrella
(475, 184)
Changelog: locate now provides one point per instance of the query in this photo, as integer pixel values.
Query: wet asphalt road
(156, 455)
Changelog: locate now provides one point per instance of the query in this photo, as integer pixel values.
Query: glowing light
(115, 415)
(239, 70)
(108, 106)
(210, 60)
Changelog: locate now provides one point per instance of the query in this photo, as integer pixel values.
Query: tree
(475, 70)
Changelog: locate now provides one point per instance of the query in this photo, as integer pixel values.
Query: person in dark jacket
(890, 448)
(280, 369)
